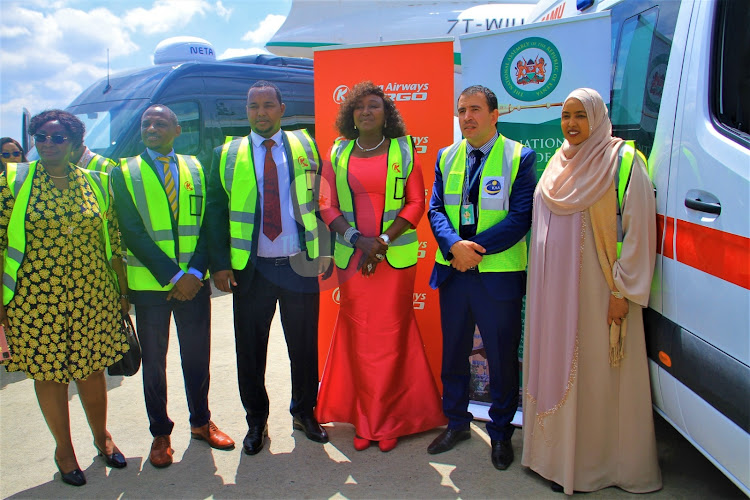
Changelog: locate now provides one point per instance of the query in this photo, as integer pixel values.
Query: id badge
(467, 214)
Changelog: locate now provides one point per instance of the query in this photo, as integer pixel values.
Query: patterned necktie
(271, 202)
(169, 185)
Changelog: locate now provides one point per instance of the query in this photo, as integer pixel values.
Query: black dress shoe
(115, 460)
(312, 428)
(74, 477)
(557, 488)
(447, 440)
(502, 454)
(255, 439)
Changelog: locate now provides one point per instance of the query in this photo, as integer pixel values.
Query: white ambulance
(681, 88)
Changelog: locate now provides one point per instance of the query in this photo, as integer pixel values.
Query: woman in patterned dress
(62, 314)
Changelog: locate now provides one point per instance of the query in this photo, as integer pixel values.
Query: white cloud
(265, 30)
(223, 12)
(53, 40)
(58, 53)
(13, 31)
(164, 16)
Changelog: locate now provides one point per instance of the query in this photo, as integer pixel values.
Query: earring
(355, 127)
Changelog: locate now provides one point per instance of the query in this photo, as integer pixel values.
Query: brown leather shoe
(161, 452)
(213, 436)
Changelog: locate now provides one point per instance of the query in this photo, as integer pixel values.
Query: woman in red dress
(376, 376)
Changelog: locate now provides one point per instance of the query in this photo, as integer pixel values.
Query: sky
(51, 50)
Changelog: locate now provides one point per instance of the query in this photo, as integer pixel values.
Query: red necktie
(271, 203)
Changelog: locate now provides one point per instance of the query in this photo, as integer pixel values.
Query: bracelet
(386, 238)
(124, 296)
(350, 233)
(617, 295)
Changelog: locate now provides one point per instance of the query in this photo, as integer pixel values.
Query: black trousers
(259, 288)
(193, 321)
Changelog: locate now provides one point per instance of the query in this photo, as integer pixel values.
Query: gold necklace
(55, 176)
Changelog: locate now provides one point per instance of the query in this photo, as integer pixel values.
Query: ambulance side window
(631, 72)
(189, 118)
(731, 70)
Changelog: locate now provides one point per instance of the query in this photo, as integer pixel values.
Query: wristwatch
(386, 238)
(354, 238)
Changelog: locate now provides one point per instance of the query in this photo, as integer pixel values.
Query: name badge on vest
(467, 214)
(493, 187)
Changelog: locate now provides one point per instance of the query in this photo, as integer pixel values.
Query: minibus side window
(189, 117)
(631, 72)
(232, 114)
(730, 70)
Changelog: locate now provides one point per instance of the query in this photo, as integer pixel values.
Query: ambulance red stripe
(718, 253)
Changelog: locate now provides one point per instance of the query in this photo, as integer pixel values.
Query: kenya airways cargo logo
(406, 91)
(420, 144)
(396, 91)
(339, 93)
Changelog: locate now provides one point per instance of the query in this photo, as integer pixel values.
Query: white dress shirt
(287, 243)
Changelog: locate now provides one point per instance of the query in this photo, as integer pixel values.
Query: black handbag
(131, 360)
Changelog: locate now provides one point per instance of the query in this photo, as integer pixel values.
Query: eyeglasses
(15, 154)
(57, 139)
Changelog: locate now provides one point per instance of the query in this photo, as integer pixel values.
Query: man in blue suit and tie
(160, 201)
(480, 212)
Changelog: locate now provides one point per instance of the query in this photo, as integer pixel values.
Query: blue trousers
(193, 321)
(464, 303)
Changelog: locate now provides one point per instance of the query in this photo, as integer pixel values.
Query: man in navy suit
(480, 212)
(267, 247)
(160, 201)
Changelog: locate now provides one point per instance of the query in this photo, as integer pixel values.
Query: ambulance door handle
(703, 206)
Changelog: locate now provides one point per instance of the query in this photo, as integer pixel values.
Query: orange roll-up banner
(418, 76)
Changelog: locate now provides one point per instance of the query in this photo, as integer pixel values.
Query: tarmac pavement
(290, 466)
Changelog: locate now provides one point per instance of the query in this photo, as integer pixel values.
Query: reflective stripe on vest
(237, 173)
(20, 179)
(100, 163)
(626, 157)
(498, 175)
(403, 250)
(147, 191)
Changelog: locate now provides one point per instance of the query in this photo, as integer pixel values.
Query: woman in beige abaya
(588, 422)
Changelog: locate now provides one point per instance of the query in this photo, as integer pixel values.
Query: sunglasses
(57, 139)
(14, 154)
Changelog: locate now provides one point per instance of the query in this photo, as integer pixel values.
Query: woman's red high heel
(387, 444)
(361, 443)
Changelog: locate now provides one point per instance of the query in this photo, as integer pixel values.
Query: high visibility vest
(237, 172)
(626, 157)
(147, 191)
(20, 179)
(496, 182)
(100, 163)
(403, 250)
